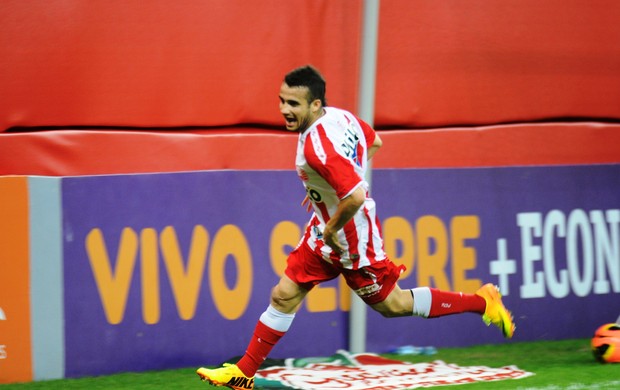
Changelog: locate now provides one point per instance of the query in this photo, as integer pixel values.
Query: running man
(343, 236)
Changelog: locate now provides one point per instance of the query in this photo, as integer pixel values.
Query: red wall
(451, 62)
(161, 63)
(208, 72)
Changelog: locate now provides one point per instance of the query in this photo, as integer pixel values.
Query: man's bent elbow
(358, 197)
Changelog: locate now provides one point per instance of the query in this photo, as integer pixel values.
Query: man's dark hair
(308, 76)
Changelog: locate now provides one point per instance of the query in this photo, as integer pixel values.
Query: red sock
(444, 303)
(263, 340)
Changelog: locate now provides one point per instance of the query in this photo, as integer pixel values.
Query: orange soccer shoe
(495, 312)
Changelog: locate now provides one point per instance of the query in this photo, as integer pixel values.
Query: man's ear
(316, 105)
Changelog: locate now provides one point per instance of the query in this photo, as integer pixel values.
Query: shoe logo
(241, 382)
(446, 305)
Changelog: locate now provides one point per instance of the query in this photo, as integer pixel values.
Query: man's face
(298, 113)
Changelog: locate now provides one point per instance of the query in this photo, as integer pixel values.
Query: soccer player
(343, 236)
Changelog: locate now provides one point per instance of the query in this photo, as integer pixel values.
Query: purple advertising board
(548, 236)
(173, 270)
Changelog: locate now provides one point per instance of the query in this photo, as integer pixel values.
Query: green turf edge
(556, 365)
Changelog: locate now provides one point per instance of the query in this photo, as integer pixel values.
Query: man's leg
(430, 302)
(286, 298)
(390, 300)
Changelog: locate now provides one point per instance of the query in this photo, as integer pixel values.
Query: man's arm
(377, 143)
(347, 208)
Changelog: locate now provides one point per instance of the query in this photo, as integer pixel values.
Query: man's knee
(286, 296)
(279, 299)
(391, 310)
(398, 304)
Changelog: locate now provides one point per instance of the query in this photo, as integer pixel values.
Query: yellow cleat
(495, 312)
(229, 376)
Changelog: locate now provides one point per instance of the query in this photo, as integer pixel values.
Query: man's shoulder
(332, 125)
(337, 112)
(336, 119)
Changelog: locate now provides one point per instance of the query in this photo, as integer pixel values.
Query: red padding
(512, 145)
(71, 152)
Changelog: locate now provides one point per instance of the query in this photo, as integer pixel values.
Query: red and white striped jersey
(332, 161)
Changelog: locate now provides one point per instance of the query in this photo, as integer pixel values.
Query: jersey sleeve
(336, 169)
(369, 132)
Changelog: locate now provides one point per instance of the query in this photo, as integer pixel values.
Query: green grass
(566, 364)
(556, 365)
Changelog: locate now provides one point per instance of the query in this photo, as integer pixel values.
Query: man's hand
(330, 237)
(306, 203)
(347, 208)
